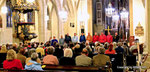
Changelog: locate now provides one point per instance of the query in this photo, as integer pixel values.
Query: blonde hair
(114, 45)
(3, 49)
(68, 52)
(11, 54)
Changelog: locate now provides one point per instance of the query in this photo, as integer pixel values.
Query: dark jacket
(116, 38)
(67, 61)
(67, 39)
(119, 50)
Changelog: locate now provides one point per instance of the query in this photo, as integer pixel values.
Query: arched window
(9, 14)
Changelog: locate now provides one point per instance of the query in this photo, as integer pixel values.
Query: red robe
(109, 38)
(95, 38)
(102, 38)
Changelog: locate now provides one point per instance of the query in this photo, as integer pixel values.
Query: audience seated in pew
(58, 51)
(40, 50)
(11, 62)
(119, 49)
(110, 50)
(32, 64)
(21, 57)
(83, 59)
(80, 51)
(100, 59)
(29, 58)
(50, 58)
(67, 58)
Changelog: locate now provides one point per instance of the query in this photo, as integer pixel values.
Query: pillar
(148, 25)
(131, 16)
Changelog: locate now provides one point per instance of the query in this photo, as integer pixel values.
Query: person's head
(110, 47)
(65, 45)
(114, 45)
(95, 33)
(102, 33)
(50, 38)
(82, 34)
(20, 44)
(119, 43)
(31, 51)
(77, 46)
(75, 34)
(11, 55)
(85, 52)
(68, 53)
(57, 45)
(67, 34)
(61, 36)
(14, 45)
(108, 33)
(34, 56)
(106, 45)
(89, 34)
(101, 50)
(3, 48)
(50, 50)
(22, 51)
(116, 33)
(54, 37)
(29, 43)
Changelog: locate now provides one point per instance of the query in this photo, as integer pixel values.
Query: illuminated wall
(139, 16)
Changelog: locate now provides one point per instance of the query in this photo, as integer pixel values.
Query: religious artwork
(0, 22)
(99, 13)
(139, 31)
(71, 24)
(9, 14)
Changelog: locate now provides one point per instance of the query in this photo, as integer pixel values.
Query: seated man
(100, 59)
(83, 59)
(119, 49)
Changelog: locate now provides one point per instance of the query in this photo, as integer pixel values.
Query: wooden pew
(74, 68)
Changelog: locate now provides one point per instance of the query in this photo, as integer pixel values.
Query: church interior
(89, 24)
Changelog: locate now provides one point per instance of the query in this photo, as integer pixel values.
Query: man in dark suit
(116, 37)
(67, 38)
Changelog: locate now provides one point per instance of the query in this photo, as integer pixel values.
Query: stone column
(148, 24)
(131, 16)
(90, 26)
(41, 16)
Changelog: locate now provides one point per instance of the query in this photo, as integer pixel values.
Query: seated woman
(32, 64)
(29, 58)
(67, 59)
(50, 58)
(11, 62)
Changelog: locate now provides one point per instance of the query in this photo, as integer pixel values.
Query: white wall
(139, 16)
